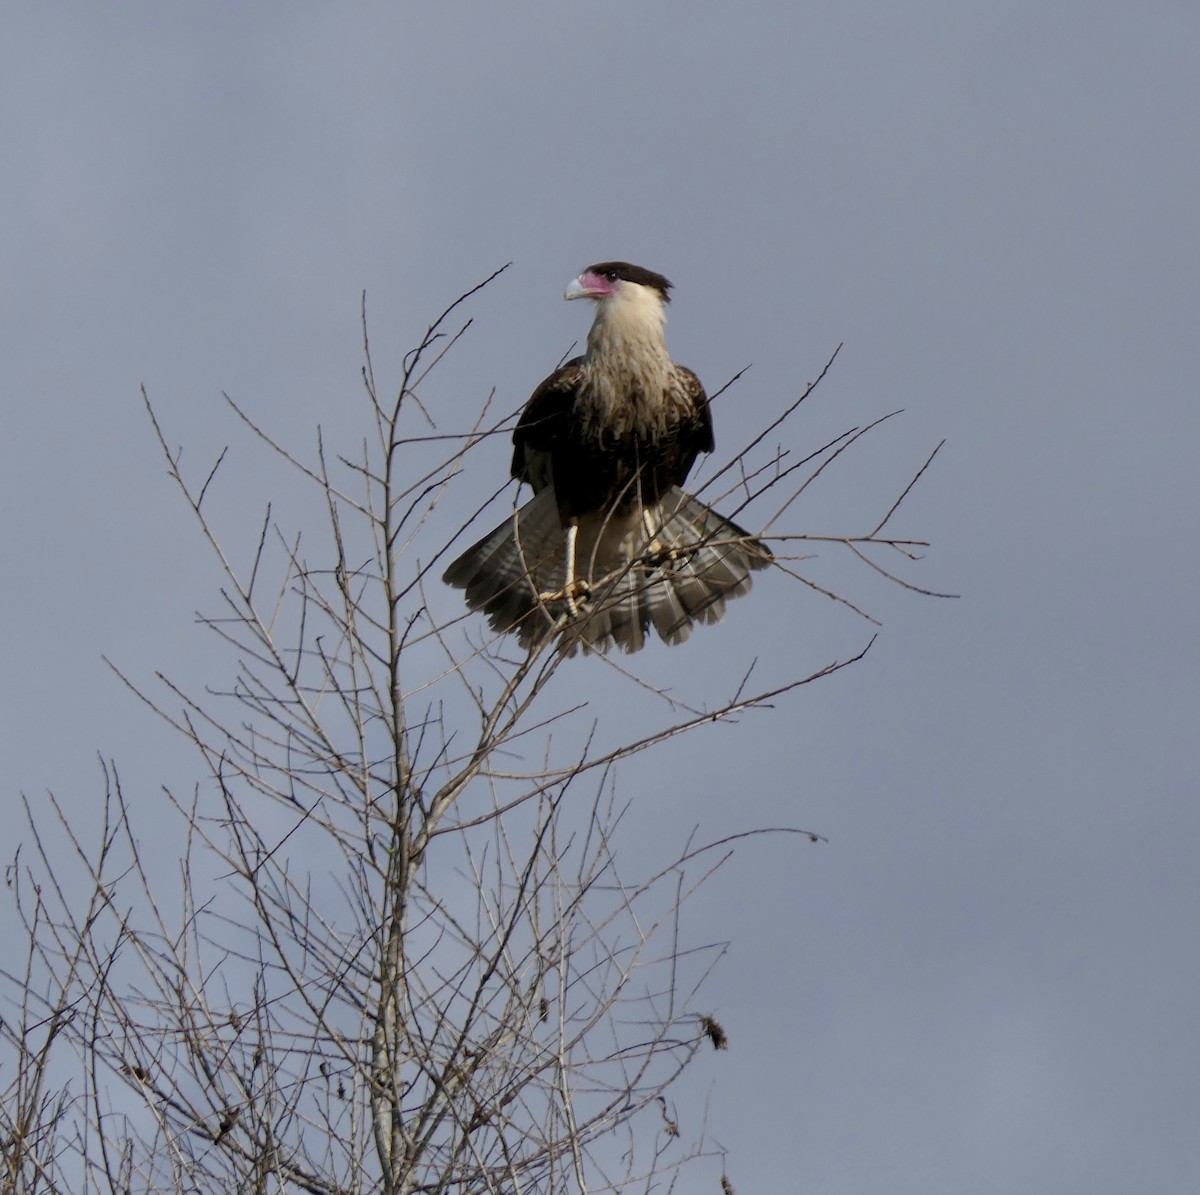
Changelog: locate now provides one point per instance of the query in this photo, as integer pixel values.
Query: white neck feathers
(629, 377)
(630, 323)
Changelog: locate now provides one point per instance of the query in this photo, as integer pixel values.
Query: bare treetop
(404, 954)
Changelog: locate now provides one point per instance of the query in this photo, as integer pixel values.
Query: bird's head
(612, 279)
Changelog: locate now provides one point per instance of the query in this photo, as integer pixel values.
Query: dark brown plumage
(586, 469)
(609, 544)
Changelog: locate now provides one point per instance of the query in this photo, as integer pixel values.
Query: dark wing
(696, 430)
(542, 423)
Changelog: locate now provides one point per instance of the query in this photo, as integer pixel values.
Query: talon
(659, 555)
(573, 587)
(573, 594)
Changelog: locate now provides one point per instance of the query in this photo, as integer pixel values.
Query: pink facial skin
(594, 286)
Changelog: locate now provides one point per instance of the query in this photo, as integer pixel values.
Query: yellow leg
(572, 588)
(569, 587)
(652, 545)
(657, 552)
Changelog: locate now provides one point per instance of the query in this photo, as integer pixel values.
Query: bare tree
(401, 954)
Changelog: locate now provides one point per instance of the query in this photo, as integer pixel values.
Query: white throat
(629, 375)
(630, 323)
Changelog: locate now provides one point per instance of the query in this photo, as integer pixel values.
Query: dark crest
(631, 273)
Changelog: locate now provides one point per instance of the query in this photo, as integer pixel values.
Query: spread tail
(669, 566)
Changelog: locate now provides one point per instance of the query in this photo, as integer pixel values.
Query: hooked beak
(589, 286)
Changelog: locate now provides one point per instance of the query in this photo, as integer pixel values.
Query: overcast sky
(988, 980)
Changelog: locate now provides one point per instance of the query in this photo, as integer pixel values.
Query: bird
(610, 545)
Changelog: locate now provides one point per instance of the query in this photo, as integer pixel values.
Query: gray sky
(987, 981)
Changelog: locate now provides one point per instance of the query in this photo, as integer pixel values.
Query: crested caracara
(610, 545)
